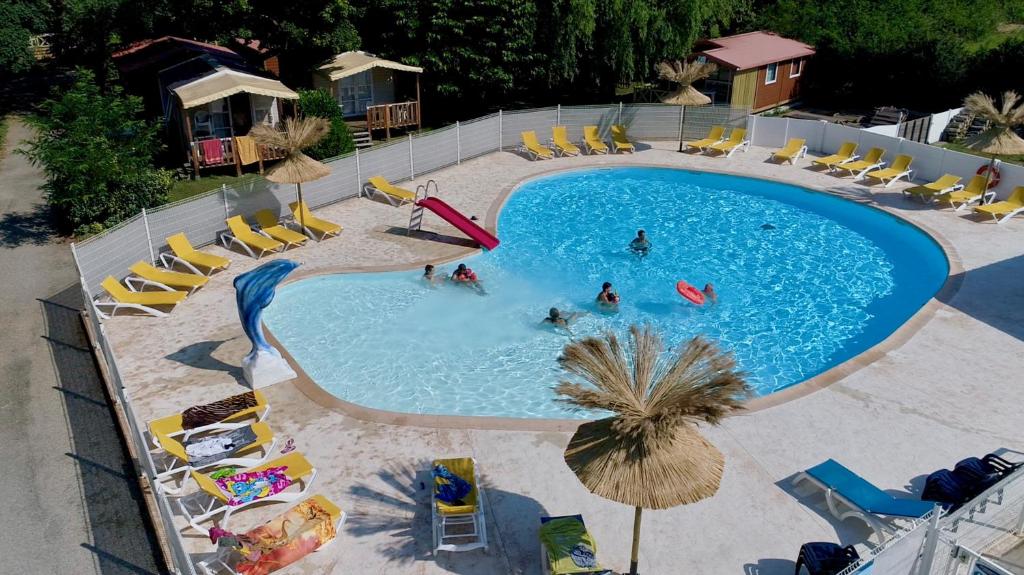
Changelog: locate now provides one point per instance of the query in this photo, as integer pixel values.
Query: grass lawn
(187, 188)
(1018, 159)
(3, 135)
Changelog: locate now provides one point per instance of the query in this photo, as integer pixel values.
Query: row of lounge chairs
(561, 145)
(716, 142)
(150, 290)
(232, 470)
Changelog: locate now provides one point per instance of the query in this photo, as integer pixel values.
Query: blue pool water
(805, 281)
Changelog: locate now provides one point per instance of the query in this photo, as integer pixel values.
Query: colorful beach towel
(253, 485)
(213, 448)
(452, 488)
(200, 415)
(569, 547)
(213, 154)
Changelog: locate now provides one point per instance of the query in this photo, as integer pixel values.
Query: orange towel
(245, 146)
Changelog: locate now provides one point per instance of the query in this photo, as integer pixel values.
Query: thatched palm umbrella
(295, 167)
(999, 139)
(684, 74)
(648, 454)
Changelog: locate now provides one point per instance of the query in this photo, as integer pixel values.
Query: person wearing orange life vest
(465, 276)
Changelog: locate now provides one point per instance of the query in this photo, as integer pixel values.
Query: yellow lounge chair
(794, 150)
(184, 254)
(560, 537)
(737, 139)
(122, 298)
(171, 425)
(239, 233)
(974, 192)
(466, 521)
(311, 224)
(195, 510)
(900, 168)
(270, 226)
(592, 141)
(715, 134)
(171, 458)
(858, 168)
(620, 140)
(927, 192)
(560, 138)
(148, 275)
(391, 192)
(1002, 211)
(844, 155)
(533, 147)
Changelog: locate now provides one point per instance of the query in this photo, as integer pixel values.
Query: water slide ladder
(416, 217)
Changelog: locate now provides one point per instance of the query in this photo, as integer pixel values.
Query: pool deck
(949, 386)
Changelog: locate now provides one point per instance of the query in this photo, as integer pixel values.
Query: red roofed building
(756, 70)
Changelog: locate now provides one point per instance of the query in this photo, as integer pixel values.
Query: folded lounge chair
(311, 224)
(794, 150)
(395, 196)
(306, 528)
(458, 525)
(145, 274)
(737, 139)
(1002, 211)
(272, 228)
(228, 413)
(858, 168)
(715, 134)
(900, 168)
(533, 148)
(560, 138)
(862, 499)
(843, 155)
(122, 298)
(927, 192)
(188, 257)
(593, 142)
(566, 547)
(172, 455)
(620, 140)
(964, 197)
(240, 234)
(211, 501)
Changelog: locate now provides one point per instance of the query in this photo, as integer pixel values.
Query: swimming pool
(805, 281)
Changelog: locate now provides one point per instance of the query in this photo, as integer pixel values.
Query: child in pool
(607, 299)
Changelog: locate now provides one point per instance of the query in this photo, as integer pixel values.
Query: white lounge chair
(171, 457)
(858, 168)
(458, 522)
(146, 275)
(240, 234)
(900, 168)
(146, 302)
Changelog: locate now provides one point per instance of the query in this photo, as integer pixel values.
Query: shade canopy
(352, 63)
(227, 82)
(998, 140)
(298, 134)
(688, 96)
(652, 474)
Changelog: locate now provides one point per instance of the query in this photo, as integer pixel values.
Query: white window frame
(767, 72)
(793, 66)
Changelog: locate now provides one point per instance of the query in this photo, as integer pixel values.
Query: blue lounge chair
(864, 500)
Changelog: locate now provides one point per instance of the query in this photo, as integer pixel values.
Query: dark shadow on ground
(200, 355)
(848, 532)
(432, 236)
(994, 294)
(771, 566)
(21, 228)
(122, 537)
(402, 510)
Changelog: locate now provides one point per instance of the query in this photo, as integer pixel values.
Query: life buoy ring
(689, 292)
(993, 180)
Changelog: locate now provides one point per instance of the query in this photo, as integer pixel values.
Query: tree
(19, 20)
(97, 156)
(648, 453)
(319, 103)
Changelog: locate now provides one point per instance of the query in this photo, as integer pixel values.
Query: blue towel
(454, 490)
(863, 493)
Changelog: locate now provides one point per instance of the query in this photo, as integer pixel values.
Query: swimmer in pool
(640, 245)
(607, 299)
(465, 276)
(709, 292)
(556, 318)
(429, 277)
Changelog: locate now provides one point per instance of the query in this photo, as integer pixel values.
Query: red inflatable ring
(689, 292)
(993, 180)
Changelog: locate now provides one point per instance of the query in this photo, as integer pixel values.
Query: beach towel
(213, 154)
(245, 147)
(569, 546)
(213, 448)
(453, 489)
(252, 485)
(200, 415)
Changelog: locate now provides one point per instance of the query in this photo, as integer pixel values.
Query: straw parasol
(999, 139)
(649, 453)
(684, 74)
(295, 167)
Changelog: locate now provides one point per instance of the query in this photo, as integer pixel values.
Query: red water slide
(464, 224)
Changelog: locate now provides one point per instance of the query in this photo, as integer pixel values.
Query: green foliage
(338, 141)
(19, 20)
(96, 155)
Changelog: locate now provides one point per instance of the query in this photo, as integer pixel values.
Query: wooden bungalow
(756, 70)
(373, 93)
(209, 97)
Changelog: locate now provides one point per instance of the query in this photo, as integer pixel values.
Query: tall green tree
(19, 20)
(320, 104)
(97, 156)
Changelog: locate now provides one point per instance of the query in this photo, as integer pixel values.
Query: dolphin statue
(254, 290)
